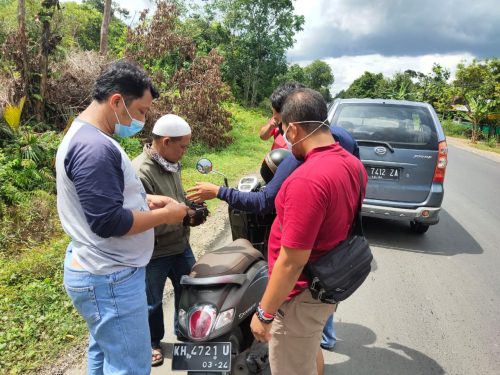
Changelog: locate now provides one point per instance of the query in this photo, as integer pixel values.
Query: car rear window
(401, 126)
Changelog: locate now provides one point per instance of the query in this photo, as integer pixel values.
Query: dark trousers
(157, 272)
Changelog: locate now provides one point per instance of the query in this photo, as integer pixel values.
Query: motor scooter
(220, 296)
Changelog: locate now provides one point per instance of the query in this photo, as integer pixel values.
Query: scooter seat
(234, 258)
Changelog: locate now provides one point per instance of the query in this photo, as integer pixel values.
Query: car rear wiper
(386, 144)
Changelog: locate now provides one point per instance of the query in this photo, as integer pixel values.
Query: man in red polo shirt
(315, 208)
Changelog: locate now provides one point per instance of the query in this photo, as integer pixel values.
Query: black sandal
(157, 357)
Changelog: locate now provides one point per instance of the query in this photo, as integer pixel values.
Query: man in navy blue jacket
(262, 202)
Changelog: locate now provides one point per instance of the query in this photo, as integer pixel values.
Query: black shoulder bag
(338, 273)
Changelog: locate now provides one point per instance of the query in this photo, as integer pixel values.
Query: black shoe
(329, 348)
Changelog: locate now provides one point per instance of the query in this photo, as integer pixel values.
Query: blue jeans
(328, 337)
(114, 307)
(157, 272)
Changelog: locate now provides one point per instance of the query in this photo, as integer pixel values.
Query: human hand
(261, 331)
(175, 212)
(158, 201)
(202, 191)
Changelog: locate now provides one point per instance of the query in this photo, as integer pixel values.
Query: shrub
(132, 146)
(27, 187)
(492, 142)
(29, 222)
(452, 128)
(190, 85)
(69, 90)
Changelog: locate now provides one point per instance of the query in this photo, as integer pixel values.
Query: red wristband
(266, 314)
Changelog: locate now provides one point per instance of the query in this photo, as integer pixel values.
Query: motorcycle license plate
(213, 356)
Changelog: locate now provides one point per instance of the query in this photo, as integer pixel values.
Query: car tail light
(201, 320)
(442, 162)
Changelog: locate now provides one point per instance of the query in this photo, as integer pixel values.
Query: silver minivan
(403, 148)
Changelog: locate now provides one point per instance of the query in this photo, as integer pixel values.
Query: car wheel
(418, 228)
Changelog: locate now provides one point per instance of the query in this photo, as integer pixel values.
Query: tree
(477, 111)
(434, 88)
(23, 44)
(399, 87)
(369, 85)
(293, 73)
(99, 5)
(319, 77)
(260, 33)
(103, 47)
(477, 79)
(49, 41)
(207, 34)
(191, 85)
(477, 85)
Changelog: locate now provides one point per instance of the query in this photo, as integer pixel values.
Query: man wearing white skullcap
(159, 167)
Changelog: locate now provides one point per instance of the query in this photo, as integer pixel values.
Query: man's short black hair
(279, 95)
(305, 105)
(125, 78)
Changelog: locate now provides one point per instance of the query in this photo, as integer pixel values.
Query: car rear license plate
(213, 356)
(383, 173)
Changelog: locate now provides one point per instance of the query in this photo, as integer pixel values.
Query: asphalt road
(432, 303)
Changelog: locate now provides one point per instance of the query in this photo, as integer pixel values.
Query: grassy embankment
(37, 321)
(452, 129)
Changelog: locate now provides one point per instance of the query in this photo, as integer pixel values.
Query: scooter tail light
(201, 321)
(442, 162)
(224, 318)
(182, 317)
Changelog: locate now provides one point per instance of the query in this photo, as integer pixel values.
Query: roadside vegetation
(486, 140)
(214, 66)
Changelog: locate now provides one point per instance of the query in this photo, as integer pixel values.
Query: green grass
(243, 156)
(462, 131)
(485, 146)
(37, 320)
(455, 129)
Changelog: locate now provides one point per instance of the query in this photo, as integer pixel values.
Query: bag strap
(357, 224)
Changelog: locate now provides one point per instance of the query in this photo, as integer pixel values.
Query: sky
(389, 36)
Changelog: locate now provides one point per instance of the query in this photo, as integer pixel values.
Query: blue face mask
(128, 130)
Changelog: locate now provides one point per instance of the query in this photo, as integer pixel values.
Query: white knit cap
(171, 126)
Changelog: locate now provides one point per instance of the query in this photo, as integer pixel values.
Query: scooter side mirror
(204, 166)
